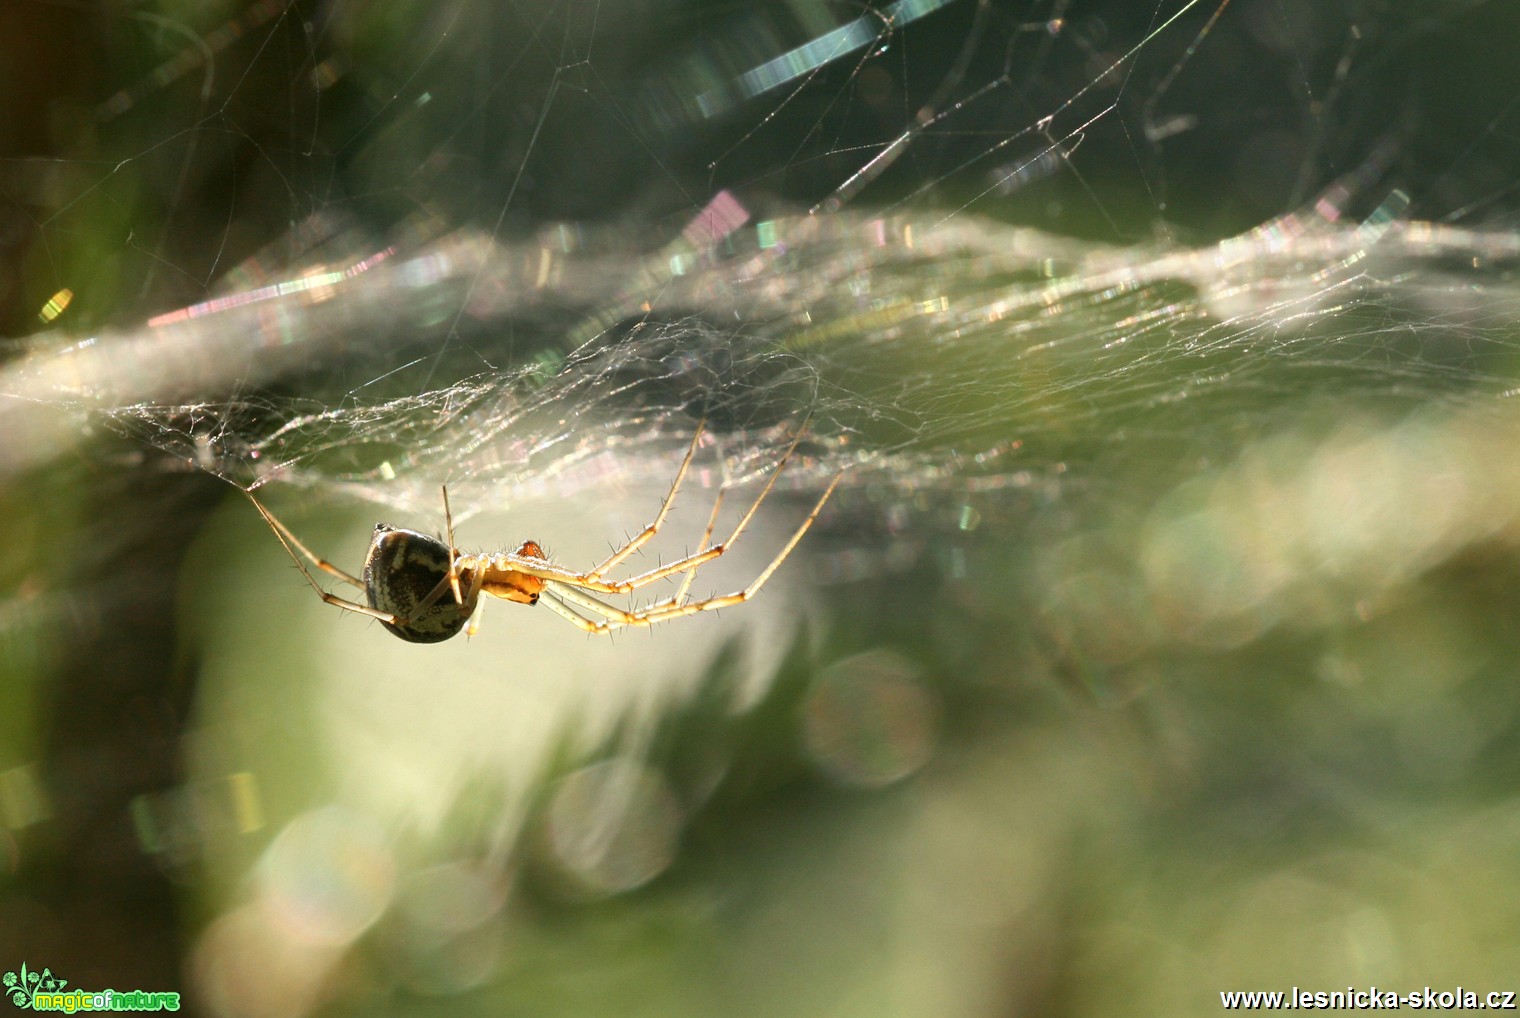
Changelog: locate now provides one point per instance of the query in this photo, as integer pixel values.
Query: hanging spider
(425, 590)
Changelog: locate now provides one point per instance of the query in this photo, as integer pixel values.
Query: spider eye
(403, 567)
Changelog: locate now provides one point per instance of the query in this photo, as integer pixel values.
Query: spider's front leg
(644, 536)
(561, 594)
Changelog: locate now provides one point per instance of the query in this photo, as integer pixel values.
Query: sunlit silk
(831, 45)
(311, 284)
(722, 216)
(202, 53)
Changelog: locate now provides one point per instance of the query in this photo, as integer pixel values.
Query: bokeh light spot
(611, 827)
(870, 721)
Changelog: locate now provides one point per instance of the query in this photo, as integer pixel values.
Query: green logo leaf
(23, 988)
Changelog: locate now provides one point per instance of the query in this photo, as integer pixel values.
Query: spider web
(987, 255)
(412, 328)
(1221, 294)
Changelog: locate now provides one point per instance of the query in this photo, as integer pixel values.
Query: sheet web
(1169, 353)
(939, 380)
(867, 220)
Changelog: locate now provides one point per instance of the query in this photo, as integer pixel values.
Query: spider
(426, 590)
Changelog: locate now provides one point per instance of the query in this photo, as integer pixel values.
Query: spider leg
(444, 586)
(549, 571)
(291, 544)
(648, 532)
(433, 597)
(355, 607)
(570, 615)
(288, 540)
(708, 554)
(591, 581)
(666, 610)
(679, 597)
(474, 626)
(616, 616)
(691, 574)
(786, 550)
(448, 524)
(476, 579)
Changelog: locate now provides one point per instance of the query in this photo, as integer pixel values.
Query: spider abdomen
(403, 568)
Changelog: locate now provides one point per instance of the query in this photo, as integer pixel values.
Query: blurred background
(1157, 641)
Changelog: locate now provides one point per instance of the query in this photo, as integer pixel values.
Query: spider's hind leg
(292, 544)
